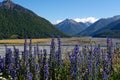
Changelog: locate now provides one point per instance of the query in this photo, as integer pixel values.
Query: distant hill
(111, 30)
(19, 22)
(71, 27)
(97, 25)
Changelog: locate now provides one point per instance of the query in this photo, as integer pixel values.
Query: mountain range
(19, 22)
(111, 30)
(102, 28)
(71, 27)
(101, 23)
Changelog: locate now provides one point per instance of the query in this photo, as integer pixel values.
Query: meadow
(21, 41)
(88, 63)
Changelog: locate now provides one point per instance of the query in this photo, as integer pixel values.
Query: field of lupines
(90, 63)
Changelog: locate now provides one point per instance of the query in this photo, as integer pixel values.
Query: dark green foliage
(111, 33)
(18, 22)
(115, 75)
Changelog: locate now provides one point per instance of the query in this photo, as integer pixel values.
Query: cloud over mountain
(84, 20)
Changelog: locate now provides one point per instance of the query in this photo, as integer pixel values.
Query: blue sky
(54, 10)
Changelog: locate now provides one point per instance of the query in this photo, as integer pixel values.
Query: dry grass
(21, 41)
(116, 62)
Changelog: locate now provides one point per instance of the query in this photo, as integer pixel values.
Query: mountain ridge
(98, 25)
(70, 26)
(20, 22)
(111, 30)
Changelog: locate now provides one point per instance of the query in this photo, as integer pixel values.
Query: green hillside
(19, 22)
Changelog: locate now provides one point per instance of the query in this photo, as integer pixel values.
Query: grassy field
(21, 41)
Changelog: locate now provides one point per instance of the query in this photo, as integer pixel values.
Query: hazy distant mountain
(71, 27)
(97, 25)
(19, 22)
(111, 30)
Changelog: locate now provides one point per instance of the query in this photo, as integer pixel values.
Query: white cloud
(84, 20)
(89, 19)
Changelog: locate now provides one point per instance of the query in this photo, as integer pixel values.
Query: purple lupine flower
(37, 67)
(45, 57)
(18, 67)
(8, 56)
(52, 58)
(74, 62)
(1, 64)
(96, 62)
(38, 51)
(27, 67)
(52, 55)
(27, 57)
(70, 57)
(4, 68)
(103, 55)
(59, 52)
(32, 62)
(105, 76)
(13, 60)
(35, 52)
(105, 70)
(46, 71)
(72, 66)
(109, 55)
(10, 66)
(29, 76)
(56, 59)
(38, 76)
(25, 49)
(16, 57)
(96, 56)
(40, 57)
(79, 64)
(90, 67)
(37, 71)
(108, 40)
(37, 47)
(52, 49)
(76, 51)
(13, 74)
